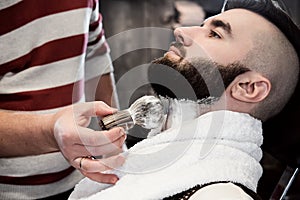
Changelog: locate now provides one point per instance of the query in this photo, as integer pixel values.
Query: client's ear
(250, 87)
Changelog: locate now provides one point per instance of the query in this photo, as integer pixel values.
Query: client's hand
(80, 144)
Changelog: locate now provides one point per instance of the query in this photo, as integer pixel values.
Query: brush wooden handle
(120, 118)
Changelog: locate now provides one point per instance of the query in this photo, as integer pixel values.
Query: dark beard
(200, 78)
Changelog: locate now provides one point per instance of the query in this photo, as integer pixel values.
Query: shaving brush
(147, 112)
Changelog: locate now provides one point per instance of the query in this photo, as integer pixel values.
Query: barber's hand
(80, 144)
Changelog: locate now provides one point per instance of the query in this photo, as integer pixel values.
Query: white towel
(217, 146)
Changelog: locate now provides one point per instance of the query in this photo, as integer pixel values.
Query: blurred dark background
(122, 15)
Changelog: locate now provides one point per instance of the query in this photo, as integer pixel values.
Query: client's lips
(174, 50)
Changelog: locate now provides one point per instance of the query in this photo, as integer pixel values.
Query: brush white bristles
(146, 112)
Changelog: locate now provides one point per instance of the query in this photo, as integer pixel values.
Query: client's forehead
(246, 30)
(242, 19)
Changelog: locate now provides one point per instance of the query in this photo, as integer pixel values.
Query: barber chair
(282, 144)
(286, 181)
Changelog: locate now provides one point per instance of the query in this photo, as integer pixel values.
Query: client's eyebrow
(219, 23)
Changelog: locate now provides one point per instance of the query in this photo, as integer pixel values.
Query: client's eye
(214, 34)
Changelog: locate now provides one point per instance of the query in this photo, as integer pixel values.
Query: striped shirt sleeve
(44, 52)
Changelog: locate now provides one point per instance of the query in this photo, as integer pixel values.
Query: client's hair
(281, 133)
(273, 56)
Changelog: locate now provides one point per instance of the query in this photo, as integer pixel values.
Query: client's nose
(183, 36)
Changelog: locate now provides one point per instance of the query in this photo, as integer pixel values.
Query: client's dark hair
(281, 133)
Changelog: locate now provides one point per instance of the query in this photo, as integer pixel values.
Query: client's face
(207, 57)
(195, 78)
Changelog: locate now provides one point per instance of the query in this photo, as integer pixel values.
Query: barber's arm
(102, 88)
(99, 70)
(24, 134)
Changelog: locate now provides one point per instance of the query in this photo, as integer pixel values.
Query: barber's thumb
(102, 109)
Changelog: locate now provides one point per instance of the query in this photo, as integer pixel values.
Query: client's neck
(209, 104)
(184, 109)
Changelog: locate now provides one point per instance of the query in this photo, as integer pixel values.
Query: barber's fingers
(101, 178)
(112, 148)
(82, 151)
(95, 108)
(99, 165)
(93, 143)
(108, 149)
(89, 137)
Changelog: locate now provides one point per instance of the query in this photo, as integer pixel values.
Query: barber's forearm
(106, 90)
(24, 134)
(102, 89)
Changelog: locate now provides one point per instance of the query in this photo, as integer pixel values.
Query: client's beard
(195, 79)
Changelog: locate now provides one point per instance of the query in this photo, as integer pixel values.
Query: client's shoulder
(221, 191)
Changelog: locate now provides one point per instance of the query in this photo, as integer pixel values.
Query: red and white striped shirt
(48, 48)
